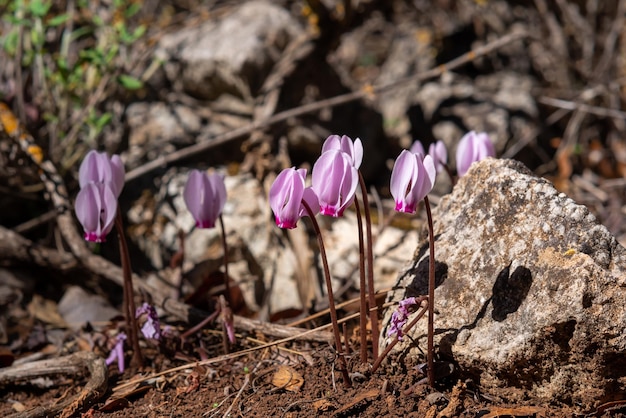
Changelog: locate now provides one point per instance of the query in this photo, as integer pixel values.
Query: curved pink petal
(286, 197)
(403, 179)
(358, 153)
(473, 147)
(417, 148)
(426, 174)
(117, 174)
(205, 197)
(96, 208)
(88, 205)
(439, 153)
(312, 200)
(334, 180)
(97, 167)
(354, 150)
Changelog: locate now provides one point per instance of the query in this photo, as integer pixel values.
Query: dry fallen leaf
(323, 405)
(287, 378)
(522, 411)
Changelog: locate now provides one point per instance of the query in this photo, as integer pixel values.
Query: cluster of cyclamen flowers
(473, 147)
(334, 181)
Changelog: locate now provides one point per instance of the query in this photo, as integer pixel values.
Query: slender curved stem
(431, 296)
(371, 292)
(226, 277)
(331, 298)
(129, 301)
(363, 289)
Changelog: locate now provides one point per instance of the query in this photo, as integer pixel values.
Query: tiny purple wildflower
(354, 150)
(399, 317)
(411, 180)
(473, 147)
(96, 207)
(334, 181)
(97, 167)
(205, 197)
(286, 196)
(117, 353)
(151, 329)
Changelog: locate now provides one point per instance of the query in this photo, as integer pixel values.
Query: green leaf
(132, 10)
(39, 8)
(58, 20)
(129, 82)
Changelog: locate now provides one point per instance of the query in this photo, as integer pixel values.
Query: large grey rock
(231, 53)
(530, 300)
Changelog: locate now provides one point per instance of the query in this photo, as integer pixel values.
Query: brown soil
(301, 380)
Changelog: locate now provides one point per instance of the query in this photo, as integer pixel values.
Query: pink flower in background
(205, 197)
(439, 154)
(354, 150)
(96, 207)
(411, 180)
(334, 181)
(473, 147)
(418, 148)
(286, 195)
(97, 167)
(117, 353)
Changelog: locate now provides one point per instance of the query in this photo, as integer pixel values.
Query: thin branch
(207, 142)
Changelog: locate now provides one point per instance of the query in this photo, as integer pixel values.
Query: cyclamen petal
(417, 148)
(96, 208)
(97, 167)
(334, 180)
(286, 196)
(473, 147)
(354, 150)
(411, 180)
(403, 179)
(205, 197)
(439, 153)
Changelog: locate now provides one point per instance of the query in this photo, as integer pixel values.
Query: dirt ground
(574, 55)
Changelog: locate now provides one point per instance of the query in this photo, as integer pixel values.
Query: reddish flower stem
(371, 292)
(331, 298)
(363, 290)
(431, 296)
(129, 301)
(225, 247)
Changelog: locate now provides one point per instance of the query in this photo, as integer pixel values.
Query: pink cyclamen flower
(399, 317)
(205, 196)
(439, 154)
(96, 207)
(334, 181)
(97, 167)
(354, 150)
(473, 147)
(286, 196)
(117, 353)
(411, 180)
(418, 148)
(151, 329)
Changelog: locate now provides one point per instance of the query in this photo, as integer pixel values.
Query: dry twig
(72, 365)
